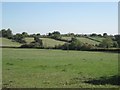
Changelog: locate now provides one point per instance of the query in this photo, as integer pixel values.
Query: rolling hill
(8, 42)
(47, 42)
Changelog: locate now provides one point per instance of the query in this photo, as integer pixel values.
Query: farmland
(7, 42)
(59, 45)
(48, 68)
(47, 42)
(58, 68)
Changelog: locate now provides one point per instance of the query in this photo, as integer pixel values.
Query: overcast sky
(75, 17)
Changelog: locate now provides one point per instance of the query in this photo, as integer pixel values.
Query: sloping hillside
(90, 40)
(97, 38)
(47, 42)
(86, 40)
(7, 42)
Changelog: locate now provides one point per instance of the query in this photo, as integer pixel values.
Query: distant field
(30, 68)
(66, 38)
(47, 42)
(29, 39)
(98, 38)
(86, 40)
(7, 42)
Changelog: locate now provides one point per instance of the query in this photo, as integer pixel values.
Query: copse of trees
(106, 43)
(75, 44)
(6, 33)
(117, 38)
(37, 43)
(19, 38)
(55, 35)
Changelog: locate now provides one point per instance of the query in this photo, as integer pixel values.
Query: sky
(66, 17)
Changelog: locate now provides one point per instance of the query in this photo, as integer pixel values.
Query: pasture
(97, 38)
(86, 40)
(43, 68)
(8, 42)
(47, 42)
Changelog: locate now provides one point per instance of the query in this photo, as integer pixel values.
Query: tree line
(109, 41)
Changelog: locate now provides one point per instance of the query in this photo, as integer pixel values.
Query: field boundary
(95, 50)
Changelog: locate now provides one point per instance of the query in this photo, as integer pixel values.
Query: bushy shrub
(76, 45)
(37, 43)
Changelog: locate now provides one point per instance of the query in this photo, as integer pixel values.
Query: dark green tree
(117, 38)
(93, 35)
(19, 38)
(106, 43)
(6, 33)
(105, 35)
(9, 34)
(38, 41)
(25, 34)
(56, 35)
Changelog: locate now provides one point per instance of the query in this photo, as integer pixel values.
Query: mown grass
(30, 68)
(8, 42)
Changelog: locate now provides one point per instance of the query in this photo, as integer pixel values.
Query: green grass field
(98, 38)
(86, 40)
(29, 39)
(47, 42)
(66, 38)
(7, 42)
(40, 68)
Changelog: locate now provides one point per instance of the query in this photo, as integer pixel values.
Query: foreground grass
(30, 68)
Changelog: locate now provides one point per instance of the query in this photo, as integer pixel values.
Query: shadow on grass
(113, 80)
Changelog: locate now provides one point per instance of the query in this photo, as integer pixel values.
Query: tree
(106, 43)
(38, 35)
(3, 32)
(65, 46)
(105, 35)
(117, 38)
(49, 34)
(38, 41)
(9, 34)
(99, 35)
(73, 39)
(19, 38)
(93, 35)
(6, 33)
(25, 34)
(115, 44)
(56, 35)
